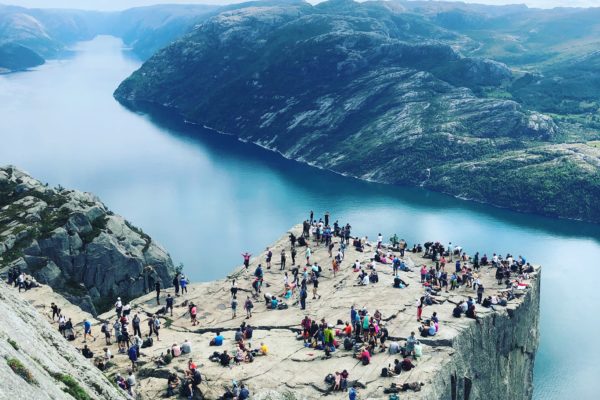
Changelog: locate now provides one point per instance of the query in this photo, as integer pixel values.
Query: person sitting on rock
(175, 350)
(264, 350)
(86, 352)
(471, 312)
(186, 347)
(218, 339)
(172, 384)
(225, 359)
(407, 364)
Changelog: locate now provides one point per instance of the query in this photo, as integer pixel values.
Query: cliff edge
(71, 241)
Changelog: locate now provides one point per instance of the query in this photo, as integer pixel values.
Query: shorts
(88, 331)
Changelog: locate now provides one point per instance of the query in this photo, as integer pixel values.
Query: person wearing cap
(118, 307)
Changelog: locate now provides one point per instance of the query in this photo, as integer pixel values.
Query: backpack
(103, 329)
(365, 361)
(330, 379)
(197, 378)
(384, 372)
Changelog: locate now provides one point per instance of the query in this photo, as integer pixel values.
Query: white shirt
(118, 304)
(365, 280)
(379, 239)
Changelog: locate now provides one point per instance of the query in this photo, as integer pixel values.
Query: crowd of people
(365, 333)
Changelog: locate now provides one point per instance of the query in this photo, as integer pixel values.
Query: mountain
(376, 91)
(14, 57)
(48, 32)
(72, 242)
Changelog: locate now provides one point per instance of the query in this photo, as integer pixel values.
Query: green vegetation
(98, 225)
(13, 344)
(19, 369)
(72, 386)
(379, 93)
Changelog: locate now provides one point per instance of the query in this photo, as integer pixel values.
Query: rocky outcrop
(72, 242)
(36, 362)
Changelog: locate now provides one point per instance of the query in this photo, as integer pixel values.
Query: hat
(118, 298)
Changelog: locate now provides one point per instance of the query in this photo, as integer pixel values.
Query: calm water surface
(208, 197)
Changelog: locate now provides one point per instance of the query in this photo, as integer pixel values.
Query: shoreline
(147, 108)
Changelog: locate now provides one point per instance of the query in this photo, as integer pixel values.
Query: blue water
(207, 198)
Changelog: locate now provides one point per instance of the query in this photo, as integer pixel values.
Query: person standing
(118, 307)
(293, 255)
(183, 283)
(312, 216)
(136, 326)
(269, 257)
(234, 304)
(157, 288)
(307, 253)
(87, 330)
(170, 302)
(248, 307)
(283, 257)
(246, 257)
(303, 296)
(379, 240)
(479, 293)
(326, 218)
(176, 284)
(156, 327)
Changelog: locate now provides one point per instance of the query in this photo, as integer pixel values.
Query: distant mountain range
(48, 32)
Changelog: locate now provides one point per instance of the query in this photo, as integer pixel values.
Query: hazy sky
(122, 4)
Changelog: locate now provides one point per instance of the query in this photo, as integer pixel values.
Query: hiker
(283, 258)
(132, 353)
(269, 256)
(183, 284)
(217, 340)
(248, 307)
(307, 254)
(157, 288)
(156, 323)
(193, 314)
(118, 307)
(234, 304)
(293, 255)
(246, 257)
(55, 311)
(420, 305)
(106, 330)
(131, 384)
(186, 347)
(87, 330)
(176, 284)
(136, 325)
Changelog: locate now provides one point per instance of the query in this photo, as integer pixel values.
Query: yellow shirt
(264, 349)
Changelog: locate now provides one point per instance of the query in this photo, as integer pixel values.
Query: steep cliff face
(494, 358)
(72, 242)
(36, 362)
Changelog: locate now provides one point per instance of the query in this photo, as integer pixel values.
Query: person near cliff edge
(176, 284)
(87, 330)
(170, 302)
(157, 288)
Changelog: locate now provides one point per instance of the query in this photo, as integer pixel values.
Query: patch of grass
(13, 344)
(72, 387)
(19, 369)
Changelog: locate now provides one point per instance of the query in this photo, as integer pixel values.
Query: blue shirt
(353, 315)
(219, 340)
(352, 394)
(87, 325)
